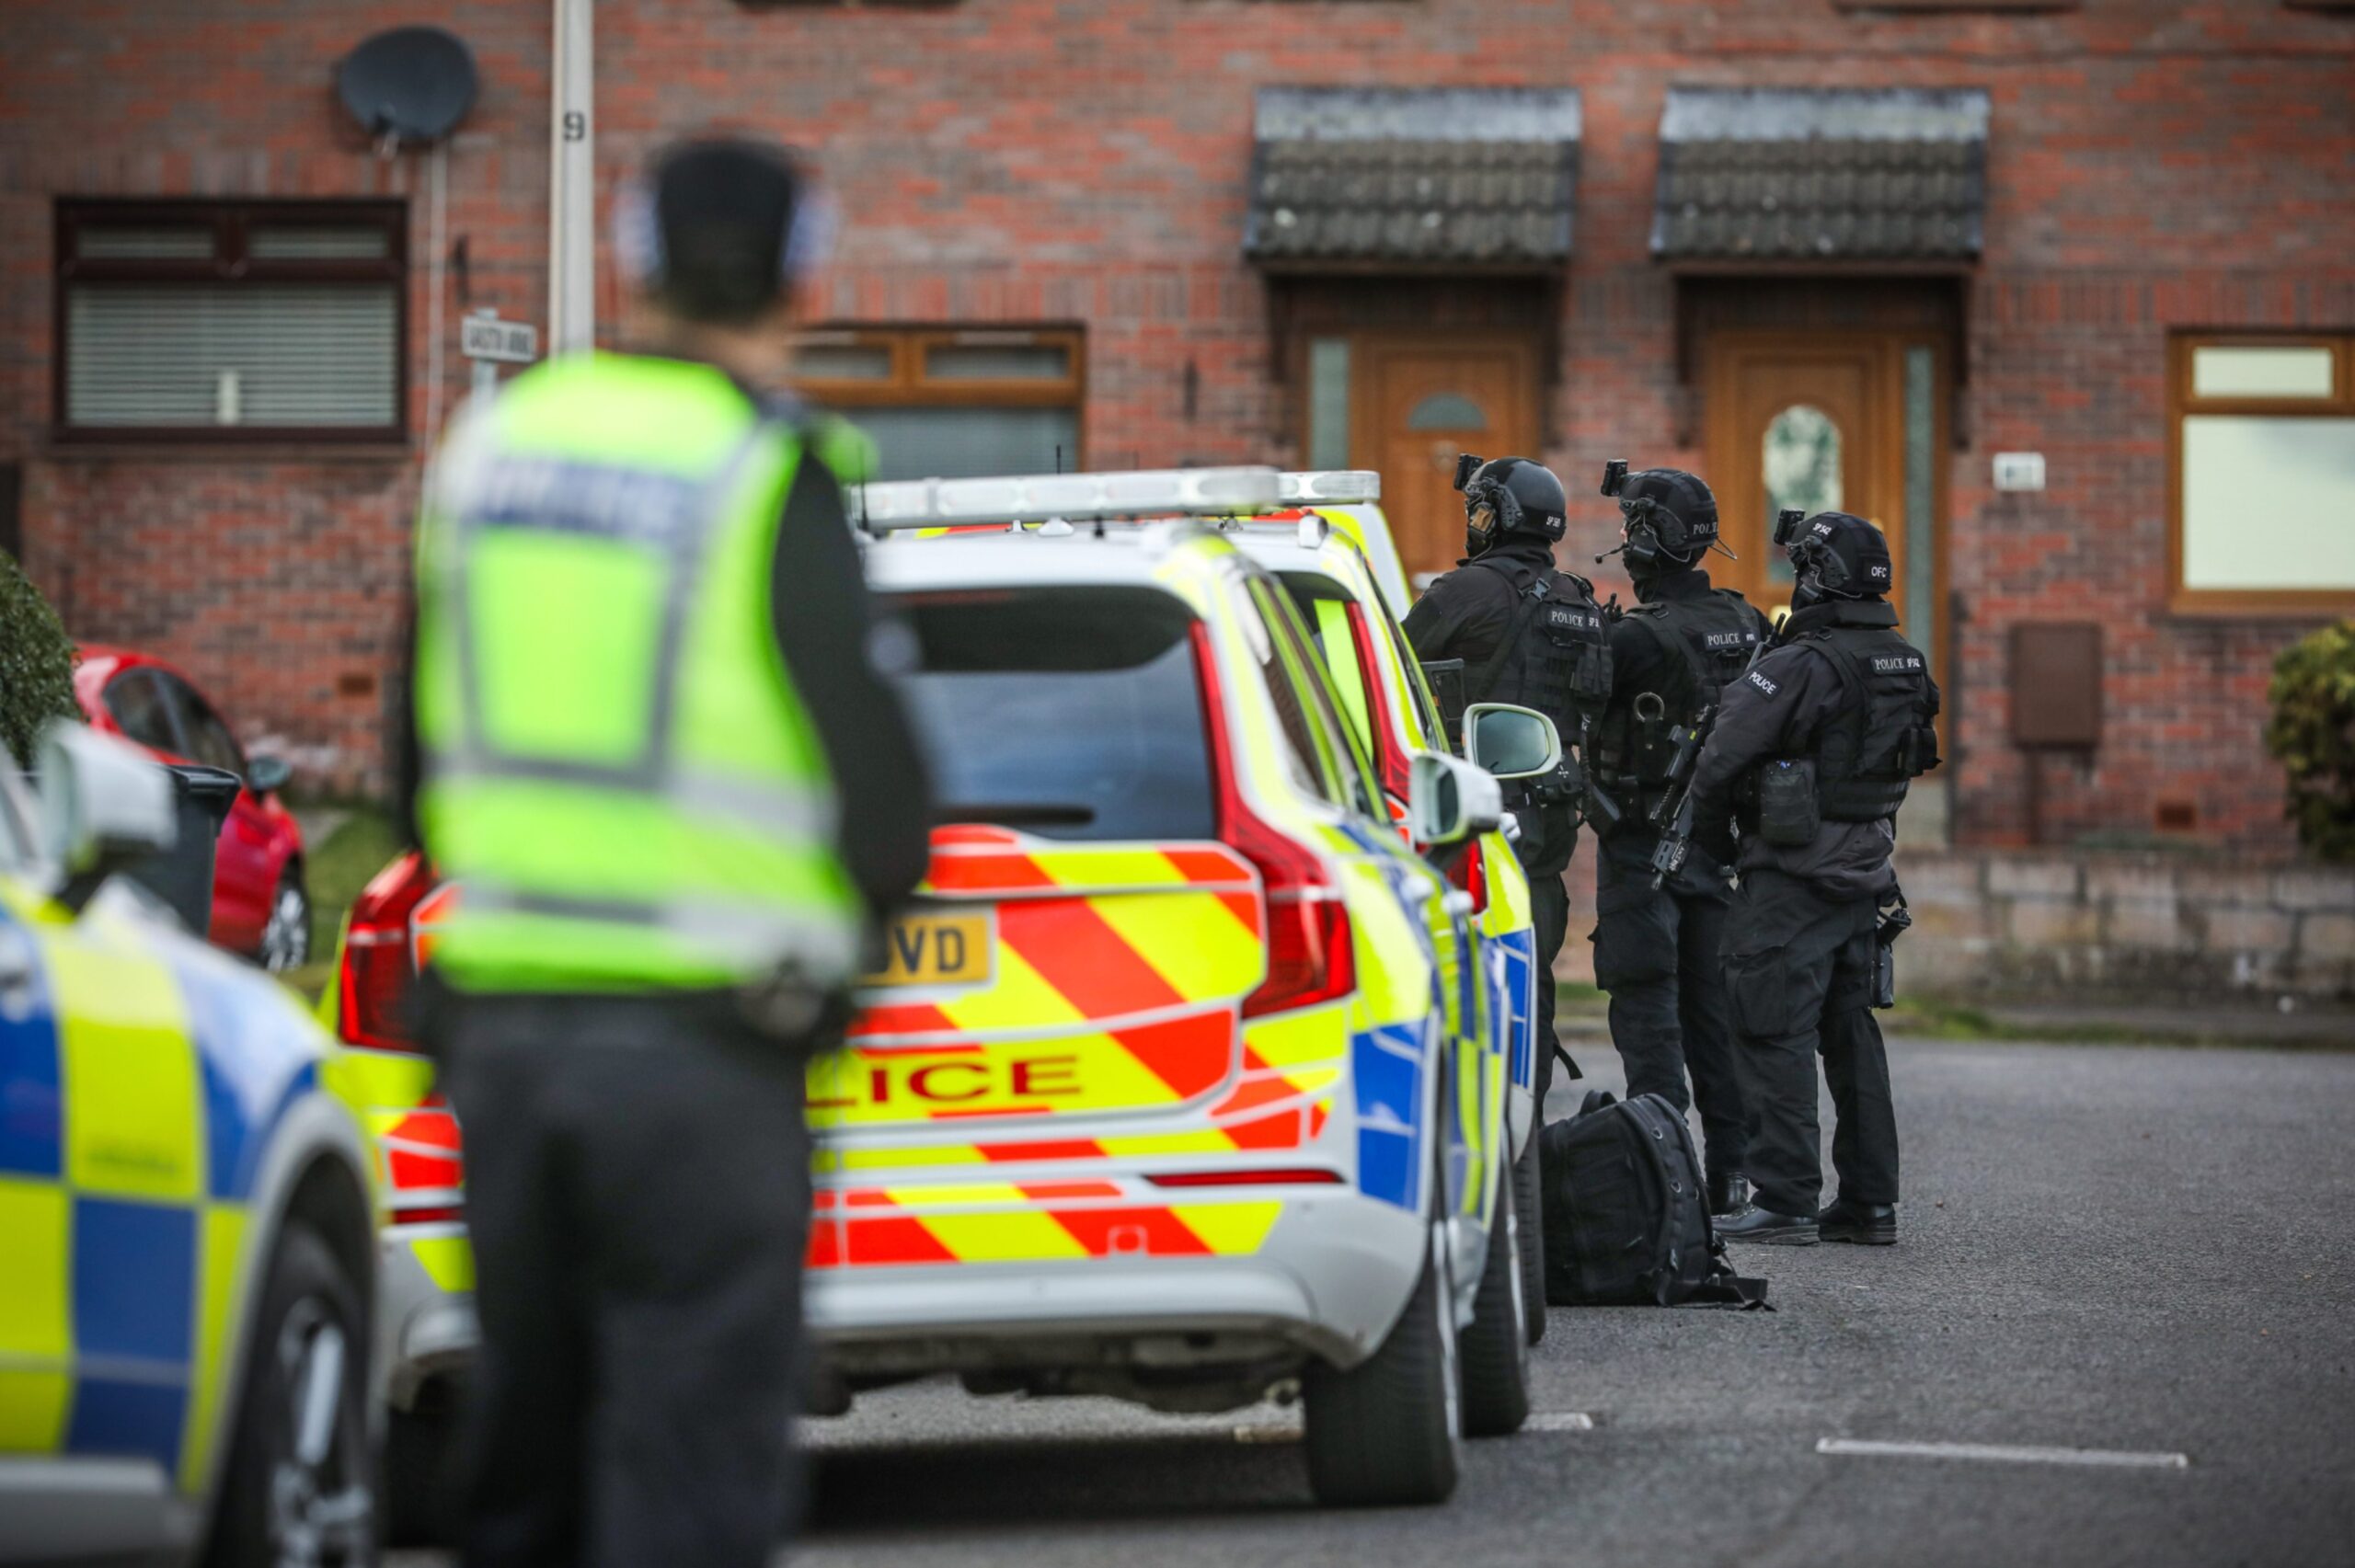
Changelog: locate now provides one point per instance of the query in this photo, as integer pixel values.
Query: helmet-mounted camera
(1787, 526)
(1466, 464)
(1615, 476)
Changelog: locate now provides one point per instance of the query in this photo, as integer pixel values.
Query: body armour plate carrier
(1555, 657)
(1885, 738)
(1705, 643)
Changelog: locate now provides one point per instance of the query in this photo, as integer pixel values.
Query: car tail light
(1308, 936)
(379, 971)
(1470, 873)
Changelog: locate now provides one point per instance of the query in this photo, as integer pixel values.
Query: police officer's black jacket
(1686, 640)
(1785, 707)
(1558, 662)
(1463, 613)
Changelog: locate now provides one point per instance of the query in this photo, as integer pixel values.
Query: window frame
(2247, 602)
(230, 267)
(910, 386)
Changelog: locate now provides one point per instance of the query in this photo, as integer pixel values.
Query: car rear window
(1068, 712)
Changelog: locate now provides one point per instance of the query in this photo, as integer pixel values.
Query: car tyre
(300, 1484)
(1388, 1431)
(1529, 1212)
(1495, 1353)
(286, 934)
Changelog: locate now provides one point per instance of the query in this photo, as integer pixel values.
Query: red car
(261, 906)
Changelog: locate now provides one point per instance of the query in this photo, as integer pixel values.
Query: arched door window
(1447, 411)
(1799, 460)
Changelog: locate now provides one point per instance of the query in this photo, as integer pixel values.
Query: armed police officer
(1660, 916)
(1527, 632)
(1814, 749)
(676, 794)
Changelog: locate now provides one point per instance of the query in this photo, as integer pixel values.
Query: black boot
(1755, 1224)
(1866, 1224)
(1729, 1193)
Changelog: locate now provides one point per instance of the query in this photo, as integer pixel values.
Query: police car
(1179, 1083)
(186, 1215)
(1327, 549)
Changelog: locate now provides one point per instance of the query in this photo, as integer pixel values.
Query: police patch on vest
(1769, 687)
(1895, 664)
(1570, 618)
(1718, 640)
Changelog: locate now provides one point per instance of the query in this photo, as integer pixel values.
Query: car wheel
(1389, 1430)
(1529, 1214)
(1496, 1347)
(286, 935)
(300, 1490)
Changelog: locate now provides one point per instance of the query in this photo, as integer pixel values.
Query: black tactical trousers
(638, 1192)
(1549, 908)
(1799, 968)
(1656, 953)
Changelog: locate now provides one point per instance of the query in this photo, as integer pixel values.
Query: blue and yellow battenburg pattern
(128, 1154)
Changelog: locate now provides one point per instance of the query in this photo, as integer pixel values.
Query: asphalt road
(2107, 1248)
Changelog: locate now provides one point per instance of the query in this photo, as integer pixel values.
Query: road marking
(2005, 1453)
(1559, 1421)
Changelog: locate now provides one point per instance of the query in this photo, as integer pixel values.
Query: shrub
(2313, 733)
(36, 662)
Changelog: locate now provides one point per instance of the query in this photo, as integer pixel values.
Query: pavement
(2108, 1250)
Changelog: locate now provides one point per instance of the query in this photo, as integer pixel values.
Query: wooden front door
(1417, 402)
(1825, 421)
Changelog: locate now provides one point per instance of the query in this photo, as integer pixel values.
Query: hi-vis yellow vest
(616, 766)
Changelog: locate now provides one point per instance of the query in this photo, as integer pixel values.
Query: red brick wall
(2152, 166)
(277, 575)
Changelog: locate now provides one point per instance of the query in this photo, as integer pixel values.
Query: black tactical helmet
(1669, 514)
(1525, 495)
(1840, 555)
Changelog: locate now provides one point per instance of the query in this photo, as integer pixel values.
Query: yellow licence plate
(935, 950)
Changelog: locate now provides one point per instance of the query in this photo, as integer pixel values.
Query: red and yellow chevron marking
(1022, 1222)
(1112, 985)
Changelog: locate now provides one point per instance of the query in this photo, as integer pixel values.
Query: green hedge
(2313, 733)
(36, 662)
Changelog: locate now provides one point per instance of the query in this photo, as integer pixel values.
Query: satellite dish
(408, 84)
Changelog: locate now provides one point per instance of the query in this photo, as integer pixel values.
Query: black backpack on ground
(1626, 1217)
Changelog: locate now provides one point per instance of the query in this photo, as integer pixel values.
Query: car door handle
(1458, 903)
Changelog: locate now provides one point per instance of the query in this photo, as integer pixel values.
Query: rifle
(1675, 807)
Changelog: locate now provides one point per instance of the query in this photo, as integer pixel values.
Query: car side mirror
(105, 806)
(264, 774)
(1448, 800)
(1511, 742)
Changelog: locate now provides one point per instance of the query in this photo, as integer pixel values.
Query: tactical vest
(1705, 643)
(616, 767)
(1554, 656)
(1885, 737)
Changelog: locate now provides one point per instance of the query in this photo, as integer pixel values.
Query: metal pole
(572, 196)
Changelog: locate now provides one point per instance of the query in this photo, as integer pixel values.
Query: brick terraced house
(2061, 292)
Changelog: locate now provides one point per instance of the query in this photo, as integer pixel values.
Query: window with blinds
(231, 320)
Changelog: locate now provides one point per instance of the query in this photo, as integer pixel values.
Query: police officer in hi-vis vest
(676, 796)
(1813, 751)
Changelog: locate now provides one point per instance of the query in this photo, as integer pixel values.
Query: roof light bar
(1334, 484)
(1079, 497)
